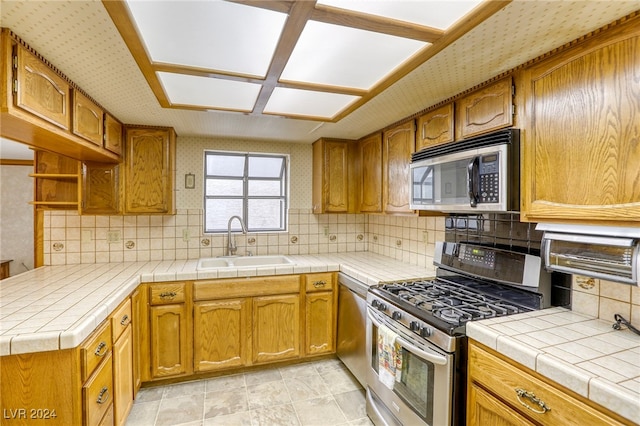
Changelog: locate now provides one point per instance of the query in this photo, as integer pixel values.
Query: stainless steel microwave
(479, 174)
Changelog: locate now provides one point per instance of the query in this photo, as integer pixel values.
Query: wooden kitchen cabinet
(87, 119)
(276, 328)
(123, 374)
(36, 105)
(320, 313)
(56, 181)
(485, 110)
(100, 188)
(498, 390)
(580, 161)
(139, 336)
(435, 127)
(113, 134)
(371, 173)
(221, 336)
(149, 170)
(398, 145)
(331, 184)
(169, 318)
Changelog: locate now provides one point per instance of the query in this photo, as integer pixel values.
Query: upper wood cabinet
(580, 148)
(100, 188)
(371, 173)
(113, 134)
(36, 106)
(485, 110)
(399, 144)
(435, 127)
(149, 170)
(88, 119)
(40, 90)
(331, 176)
(56, 181)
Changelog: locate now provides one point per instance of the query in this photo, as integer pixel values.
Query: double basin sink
(242, 262)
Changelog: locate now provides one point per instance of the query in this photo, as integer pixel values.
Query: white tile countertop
(57, 307)
(579, 352)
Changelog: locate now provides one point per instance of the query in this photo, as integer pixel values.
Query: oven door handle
(433, 358)
(427, 356)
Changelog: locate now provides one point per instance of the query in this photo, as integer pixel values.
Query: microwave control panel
(489, 178)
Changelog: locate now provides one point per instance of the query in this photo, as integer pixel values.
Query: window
(252, 186)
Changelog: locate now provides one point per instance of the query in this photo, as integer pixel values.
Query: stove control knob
(382, 307)
(396, 315)
(425, 332)
(375, 304)
(414, 326)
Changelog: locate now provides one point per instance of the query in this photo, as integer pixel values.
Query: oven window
(415, 381)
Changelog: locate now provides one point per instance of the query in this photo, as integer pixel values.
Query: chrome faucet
(231, 241)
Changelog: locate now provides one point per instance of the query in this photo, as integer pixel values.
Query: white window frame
(283, 179)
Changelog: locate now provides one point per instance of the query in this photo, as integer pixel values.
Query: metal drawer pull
(168, 294)
(99, 349)
(103, 396)
(125, 320)
(521, 393)
(318, 284)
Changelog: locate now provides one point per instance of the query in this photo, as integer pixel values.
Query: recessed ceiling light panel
(307, 103)
(213, 35)
(439, 14)
(333, 55)
(209, 93)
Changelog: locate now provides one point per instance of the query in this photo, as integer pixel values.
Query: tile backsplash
(71, 239)
(603, 299)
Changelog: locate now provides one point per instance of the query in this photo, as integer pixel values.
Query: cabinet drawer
(96, 348)
(166, 293)
(120, 319)
(97, 393)
(319, 282)
(246, 287)
(504, 380)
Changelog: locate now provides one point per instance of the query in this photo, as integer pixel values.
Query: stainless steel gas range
(416, 329)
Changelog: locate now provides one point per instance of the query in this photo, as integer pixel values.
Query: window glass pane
(265, 188)
(265, 167)
(224, 187)
(266, 214)
(225, 165)
(219, 211)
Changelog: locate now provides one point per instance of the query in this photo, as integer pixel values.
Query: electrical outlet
(425, 236)
(185, 234)
(113, 236)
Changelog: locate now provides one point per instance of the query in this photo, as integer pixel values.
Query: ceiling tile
(307, 103)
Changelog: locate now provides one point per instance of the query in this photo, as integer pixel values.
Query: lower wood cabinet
(168, 340)
(320, 313)
(221, 334)
(276, 328)
(502, 392)
(123, 387)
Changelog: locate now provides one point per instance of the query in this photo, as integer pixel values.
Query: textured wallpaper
(16, 217)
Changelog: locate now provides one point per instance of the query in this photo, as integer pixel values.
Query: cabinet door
(485, 110)
(371, 177)
(435, 127)
(399, 144)
(123, 376)
(319, 324)
(580, 154)
(149, 170)
(41, 91)
(100, 188)
(276, 328)
(113, 134)
(220, 334)
(330, 176)
(168, 340)
(88, 119)
(483, 409)
(139, 324)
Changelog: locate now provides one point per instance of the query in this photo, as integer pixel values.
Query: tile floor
(320, 393)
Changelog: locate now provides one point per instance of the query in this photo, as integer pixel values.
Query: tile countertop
(57, 307)
(579, 352)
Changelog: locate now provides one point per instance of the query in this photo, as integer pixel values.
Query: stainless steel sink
(242, 262)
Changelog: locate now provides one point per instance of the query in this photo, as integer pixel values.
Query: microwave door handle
(473, 180)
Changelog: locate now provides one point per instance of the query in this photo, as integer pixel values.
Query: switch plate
(185, 234)
(113, 236)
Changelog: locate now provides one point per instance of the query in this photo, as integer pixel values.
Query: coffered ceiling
(229, 69)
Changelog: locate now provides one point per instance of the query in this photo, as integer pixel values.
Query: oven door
(423, 390)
